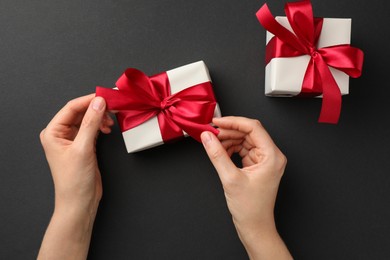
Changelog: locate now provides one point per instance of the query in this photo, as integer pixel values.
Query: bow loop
(300, 16)
(345, 58)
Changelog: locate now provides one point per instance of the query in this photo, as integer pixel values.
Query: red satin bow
(318, 79)
(140, 98)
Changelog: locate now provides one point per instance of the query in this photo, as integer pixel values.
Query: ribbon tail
(174, 121)
(174, 126)
(311, 85)
(114, 98)
(194, 129)
(331, 100)
(170, 131)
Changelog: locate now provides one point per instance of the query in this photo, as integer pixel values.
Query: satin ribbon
(139, 98)
(318, 78)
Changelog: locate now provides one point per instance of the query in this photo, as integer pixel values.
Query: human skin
(250, 191)
(69, 142)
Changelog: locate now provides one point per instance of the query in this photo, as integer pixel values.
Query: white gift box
(284, 76)
(147, 134)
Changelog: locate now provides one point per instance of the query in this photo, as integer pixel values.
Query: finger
(42, 136)
(231, 146)
(218, 156)
(91, 122)
(107, 123)
(228, 134)
(107, 120)
(229, 143)
(105, 129)
(235, 149)
(251, 127)
(73, 112)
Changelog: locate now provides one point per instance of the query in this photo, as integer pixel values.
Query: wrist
(75, 212)
(76, 205)
(74, 215)
(73, 223)
(262, 240)
(254, 223)
(69, 234)
(80, 216)
(250, 230)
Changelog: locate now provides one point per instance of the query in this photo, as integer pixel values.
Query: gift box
(308, 56)
(284, 76)
(164, 107)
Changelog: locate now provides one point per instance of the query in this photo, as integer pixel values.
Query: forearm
(263, 242)
(68, 235)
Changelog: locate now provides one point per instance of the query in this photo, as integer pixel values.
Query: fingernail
(206, 138)
(98, 104)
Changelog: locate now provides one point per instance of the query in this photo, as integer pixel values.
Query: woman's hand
(250, 191)
(69, 141)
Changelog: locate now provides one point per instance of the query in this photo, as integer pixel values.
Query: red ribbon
(140, 98)
(318, 79)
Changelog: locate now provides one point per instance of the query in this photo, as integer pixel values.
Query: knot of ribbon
(138, 98)
(318, 78)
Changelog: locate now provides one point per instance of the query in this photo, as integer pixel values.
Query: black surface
(167, 202)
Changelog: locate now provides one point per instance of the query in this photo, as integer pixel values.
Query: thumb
(92, 120)
(218, 156)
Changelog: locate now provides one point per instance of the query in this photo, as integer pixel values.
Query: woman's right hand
(250, 191)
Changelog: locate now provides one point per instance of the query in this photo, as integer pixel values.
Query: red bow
(318, 79)
(140, 98)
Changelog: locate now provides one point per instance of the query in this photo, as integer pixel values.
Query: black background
(167, 202)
